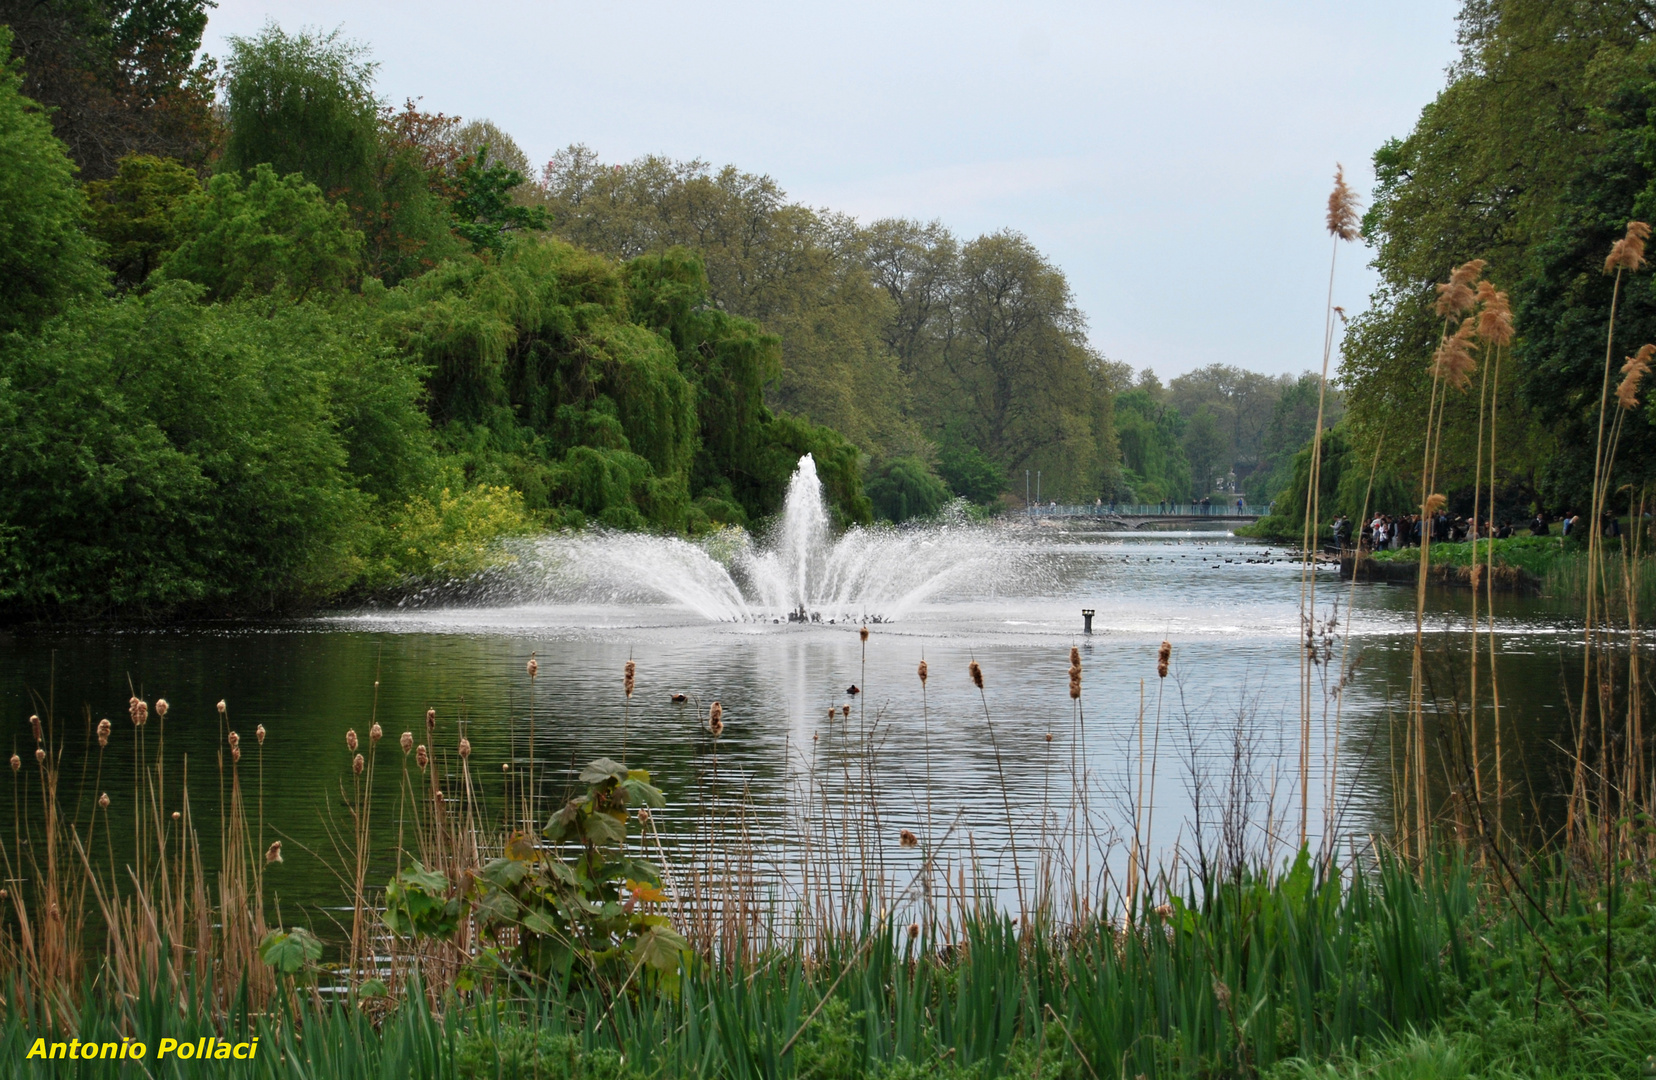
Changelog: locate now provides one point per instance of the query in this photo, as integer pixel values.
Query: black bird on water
(853, 691)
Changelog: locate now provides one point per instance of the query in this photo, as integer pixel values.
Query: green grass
(1539, 555)
(1385, 974)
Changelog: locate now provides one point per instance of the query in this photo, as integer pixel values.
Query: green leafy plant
(291, 953)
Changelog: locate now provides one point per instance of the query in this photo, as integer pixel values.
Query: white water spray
(799, 571)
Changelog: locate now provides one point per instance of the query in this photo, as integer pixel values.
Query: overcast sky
(1173, 158)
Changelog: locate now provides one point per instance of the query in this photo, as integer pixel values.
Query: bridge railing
(1141, 510)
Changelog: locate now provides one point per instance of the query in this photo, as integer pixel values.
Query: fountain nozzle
(1086, 620)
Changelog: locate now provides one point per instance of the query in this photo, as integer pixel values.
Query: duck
(679, 699)
(853, 690)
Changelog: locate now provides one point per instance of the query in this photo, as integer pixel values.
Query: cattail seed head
(273, 853)
(715, 712)
(259, 734)
(1628, 252)
(103, 801)
(161, 708)
(914, 930)
(375, 734)
(505, 766)
(1049, 736)
(1342, 208)
(627, 678)
(644, 815)
(234, 740)
(1074, 690)
(863, 633)
(976, 673)
(357, 764)
(221, 707)
(532, 666)
(421, 758)
(922, 673)
(1495, 316)
(1163, 655)
(1434, 503)
(235, 755)
(16, 762)
(138, 709)
(906, 838)
(1633, 372)
(176, 816)
(34, 724)
(406, 741)
(431, 719)
(1075, 657)
(845, 711)
(1453, 361)
(103, 732)
(351, 740)
(465, 747)
(716, 726)
(40, 755)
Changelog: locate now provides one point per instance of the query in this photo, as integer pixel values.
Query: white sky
(1173, 158)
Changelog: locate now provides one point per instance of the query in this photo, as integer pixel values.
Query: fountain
(798, 572)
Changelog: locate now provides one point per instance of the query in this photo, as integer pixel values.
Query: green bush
(905, 488)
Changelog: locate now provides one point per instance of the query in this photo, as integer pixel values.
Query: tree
(1152, 451)
(906, 488)
(141, 214)
(46, 258)
(484, 213)
(1205, 450)
(267, 234)
(1241, 403)
(118, 77)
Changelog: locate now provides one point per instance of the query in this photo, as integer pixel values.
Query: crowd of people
(1389, 532)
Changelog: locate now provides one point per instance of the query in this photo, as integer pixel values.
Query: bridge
(1137, 515)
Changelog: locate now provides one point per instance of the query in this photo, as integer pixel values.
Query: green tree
(266, 234)
(46, 257)
(1152, 445)
(141, 214)
(484, 213)
(970, 473)
(905, 488)
(1205, 449)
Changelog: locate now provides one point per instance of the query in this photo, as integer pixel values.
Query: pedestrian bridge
(1136, 515)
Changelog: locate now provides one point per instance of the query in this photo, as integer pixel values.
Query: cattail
(235, 741)
(1628, 252)
(259, 734)
(976, 673)
(357, 764)
(235, 755)
(1453, 362)
(1163, 655)
(1049, 736)
(1075, 689)
(273, 853)
(845, 711)
(1342, 208)
(375, 734)
(351, 740)
(16, 762)
(34, 722)
(906, 838)
(407, 741)
(1495, 318)
(1164, 911)
(1456, 296)
(103, 732)
(177, 816)
(103, 801)
(1434, 503)
(138, 709)
(161, 708)
(421, 758)
(221, 707)
(863, 633)
(1633, 372)
(922, 673)
(532, 667)
(1075, 657)
(914, 930)
(431, 719)
(465, 747)
(40, 756)
(715, 712)
(627, 680)
(505, 766)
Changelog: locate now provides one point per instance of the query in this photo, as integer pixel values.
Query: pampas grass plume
(1495, 320)
(1343, 221)
(1628, 252)
(1453, 362)
(1435, 502)
(1633, 372)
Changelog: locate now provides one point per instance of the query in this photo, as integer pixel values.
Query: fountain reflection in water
(799, 570)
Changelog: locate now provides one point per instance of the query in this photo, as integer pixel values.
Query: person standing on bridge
(1239, 507)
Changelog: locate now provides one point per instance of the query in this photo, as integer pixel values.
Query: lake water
(1008, 595)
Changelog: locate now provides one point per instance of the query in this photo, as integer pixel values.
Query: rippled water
(1229, 607)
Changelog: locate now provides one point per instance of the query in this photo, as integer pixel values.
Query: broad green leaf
(603, 769)
(660, 948)
(290, 951)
